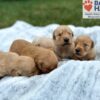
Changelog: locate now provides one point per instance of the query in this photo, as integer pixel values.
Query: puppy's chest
(65, 52)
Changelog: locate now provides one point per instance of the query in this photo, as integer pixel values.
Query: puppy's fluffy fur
(45, 43)
(45, 59)
(62, 43)
(14, 65)
(63, 40)
(84, 48)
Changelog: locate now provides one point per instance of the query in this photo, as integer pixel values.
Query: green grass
(43, 12)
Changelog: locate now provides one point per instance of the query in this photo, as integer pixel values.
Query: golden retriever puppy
(11, 64)
(84, 48)
(45, 43)
(45, 59)
(63, 40)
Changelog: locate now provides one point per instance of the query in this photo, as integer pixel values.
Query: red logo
(88, 5)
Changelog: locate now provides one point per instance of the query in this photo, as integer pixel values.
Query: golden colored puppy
(84, 48)
(12, 64)
(45, 59)
(63, 40)
(45, 43)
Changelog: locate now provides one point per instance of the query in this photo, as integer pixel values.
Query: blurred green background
(43, 12)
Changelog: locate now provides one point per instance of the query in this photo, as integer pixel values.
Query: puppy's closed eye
(85, 45)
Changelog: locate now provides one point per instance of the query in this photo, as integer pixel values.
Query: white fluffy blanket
(72, 80)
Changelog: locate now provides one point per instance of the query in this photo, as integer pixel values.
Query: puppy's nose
(78, 50)
(66, 40)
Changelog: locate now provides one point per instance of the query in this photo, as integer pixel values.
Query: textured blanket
(72, 80)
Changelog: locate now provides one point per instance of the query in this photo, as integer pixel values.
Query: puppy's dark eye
(38, 44)
(59, 34)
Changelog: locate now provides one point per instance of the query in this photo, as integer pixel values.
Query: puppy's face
(83, 45)
(47, 62)
(63, 36)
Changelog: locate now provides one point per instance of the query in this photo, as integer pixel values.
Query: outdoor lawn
(43, 12)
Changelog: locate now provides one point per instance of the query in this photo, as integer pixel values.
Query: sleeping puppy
(63, 40)
(45, 59)
(84, 48)
(12, 64)
(45, 43)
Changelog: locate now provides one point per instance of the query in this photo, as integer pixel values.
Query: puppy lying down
(12, 64)
(45, 59)
(45, 43)
(84, 48)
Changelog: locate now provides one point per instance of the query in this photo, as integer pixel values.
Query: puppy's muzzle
(77, 51)
(66, 40)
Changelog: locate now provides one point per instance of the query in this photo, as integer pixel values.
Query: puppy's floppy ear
(92, 44)
(72, 34)
(70, 31)
(54, 35)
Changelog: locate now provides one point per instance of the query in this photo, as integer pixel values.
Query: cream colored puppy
(45, 43)
(45, 59)
(12, 64)
(63, 40)
(84, 48)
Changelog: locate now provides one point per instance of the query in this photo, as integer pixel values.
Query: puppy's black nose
(66, 40)
(78, 50)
